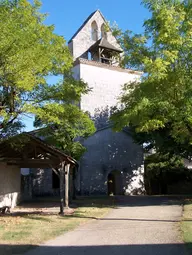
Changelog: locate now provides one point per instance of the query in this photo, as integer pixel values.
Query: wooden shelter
(28, 151)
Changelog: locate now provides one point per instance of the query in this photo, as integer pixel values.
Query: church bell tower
(97, 55)
(110, 156)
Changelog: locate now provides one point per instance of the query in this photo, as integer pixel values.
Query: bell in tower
(104, 52)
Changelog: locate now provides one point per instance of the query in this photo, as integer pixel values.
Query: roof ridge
(84, 23)
(104, 43)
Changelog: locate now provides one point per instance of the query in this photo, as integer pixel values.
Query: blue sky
(68, 16)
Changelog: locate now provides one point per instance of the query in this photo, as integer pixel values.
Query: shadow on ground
(137, 201)
(141, 249)
(132, 219)
(50, 205)
(83, 201)
(110, 201)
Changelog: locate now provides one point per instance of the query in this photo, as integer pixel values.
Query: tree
(63, 123)
(59, 115)
(159, 109)
(163, 170)
(29, 52)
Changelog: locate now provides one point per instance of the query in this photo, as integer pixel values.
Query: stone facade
(109, 151)
(105, 82)
(10, 185)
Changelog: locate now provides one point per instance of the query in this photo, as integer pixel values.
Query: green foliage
(29, 51)
(157, 163)
(159, 108)
(57, 111)
(162, 170)
(62, 139)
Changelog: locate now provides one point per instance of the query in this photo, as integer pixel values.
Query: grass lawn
(186, 224)
(21, 232)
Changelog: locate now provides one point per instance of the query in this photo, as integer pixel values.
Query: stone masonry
(108, 153)
(42, 182)
(80, 43)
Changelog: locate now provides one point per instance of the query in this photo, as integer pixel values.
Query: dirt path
(139, 225)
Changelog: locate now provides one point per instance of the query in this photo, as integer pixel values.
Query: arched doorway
(115, 186)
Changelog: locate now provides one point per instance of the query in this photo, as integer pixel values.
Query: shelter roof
(27, 150)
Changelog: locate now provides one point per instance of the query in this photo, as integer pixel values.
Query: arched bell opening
(94, 31)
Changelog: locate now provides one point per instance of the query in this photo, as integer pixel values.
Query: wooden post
(70, 185)
(74, 188)
(30, 186)
(67, 185)
(62, 171)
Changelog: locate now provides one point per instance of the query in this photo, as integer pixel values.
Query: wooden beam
(46, 149)
(36, 163)
(99, 55)
(62, 171)
(74, 187)
(55, 171)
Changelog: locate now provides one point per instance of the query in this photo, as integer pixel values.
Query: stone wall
(108, 151)
(10, 185)
(106, 85)
(42, 182)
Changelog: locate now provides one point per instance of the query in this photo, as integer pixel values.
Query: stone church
(113, 163)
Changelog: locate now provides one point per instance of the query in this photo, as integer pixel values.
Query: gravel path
(138, 226)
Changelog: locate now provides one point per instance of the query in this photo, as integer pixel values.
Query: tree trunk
(67, 185)
(62, 171)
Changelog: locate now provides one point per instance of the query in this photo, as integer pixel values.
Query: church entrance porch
(115, 184)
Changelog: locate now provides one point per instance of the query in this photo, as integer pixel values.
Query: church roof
(84, 23)
(103, 43)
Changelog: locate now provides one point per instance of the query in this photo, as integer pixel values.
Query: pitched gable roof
(50, 147)
(103, 43)
(85, 22)
(31, 152)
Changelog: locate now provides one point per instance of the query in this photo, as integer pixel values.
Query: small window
(94, 31)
